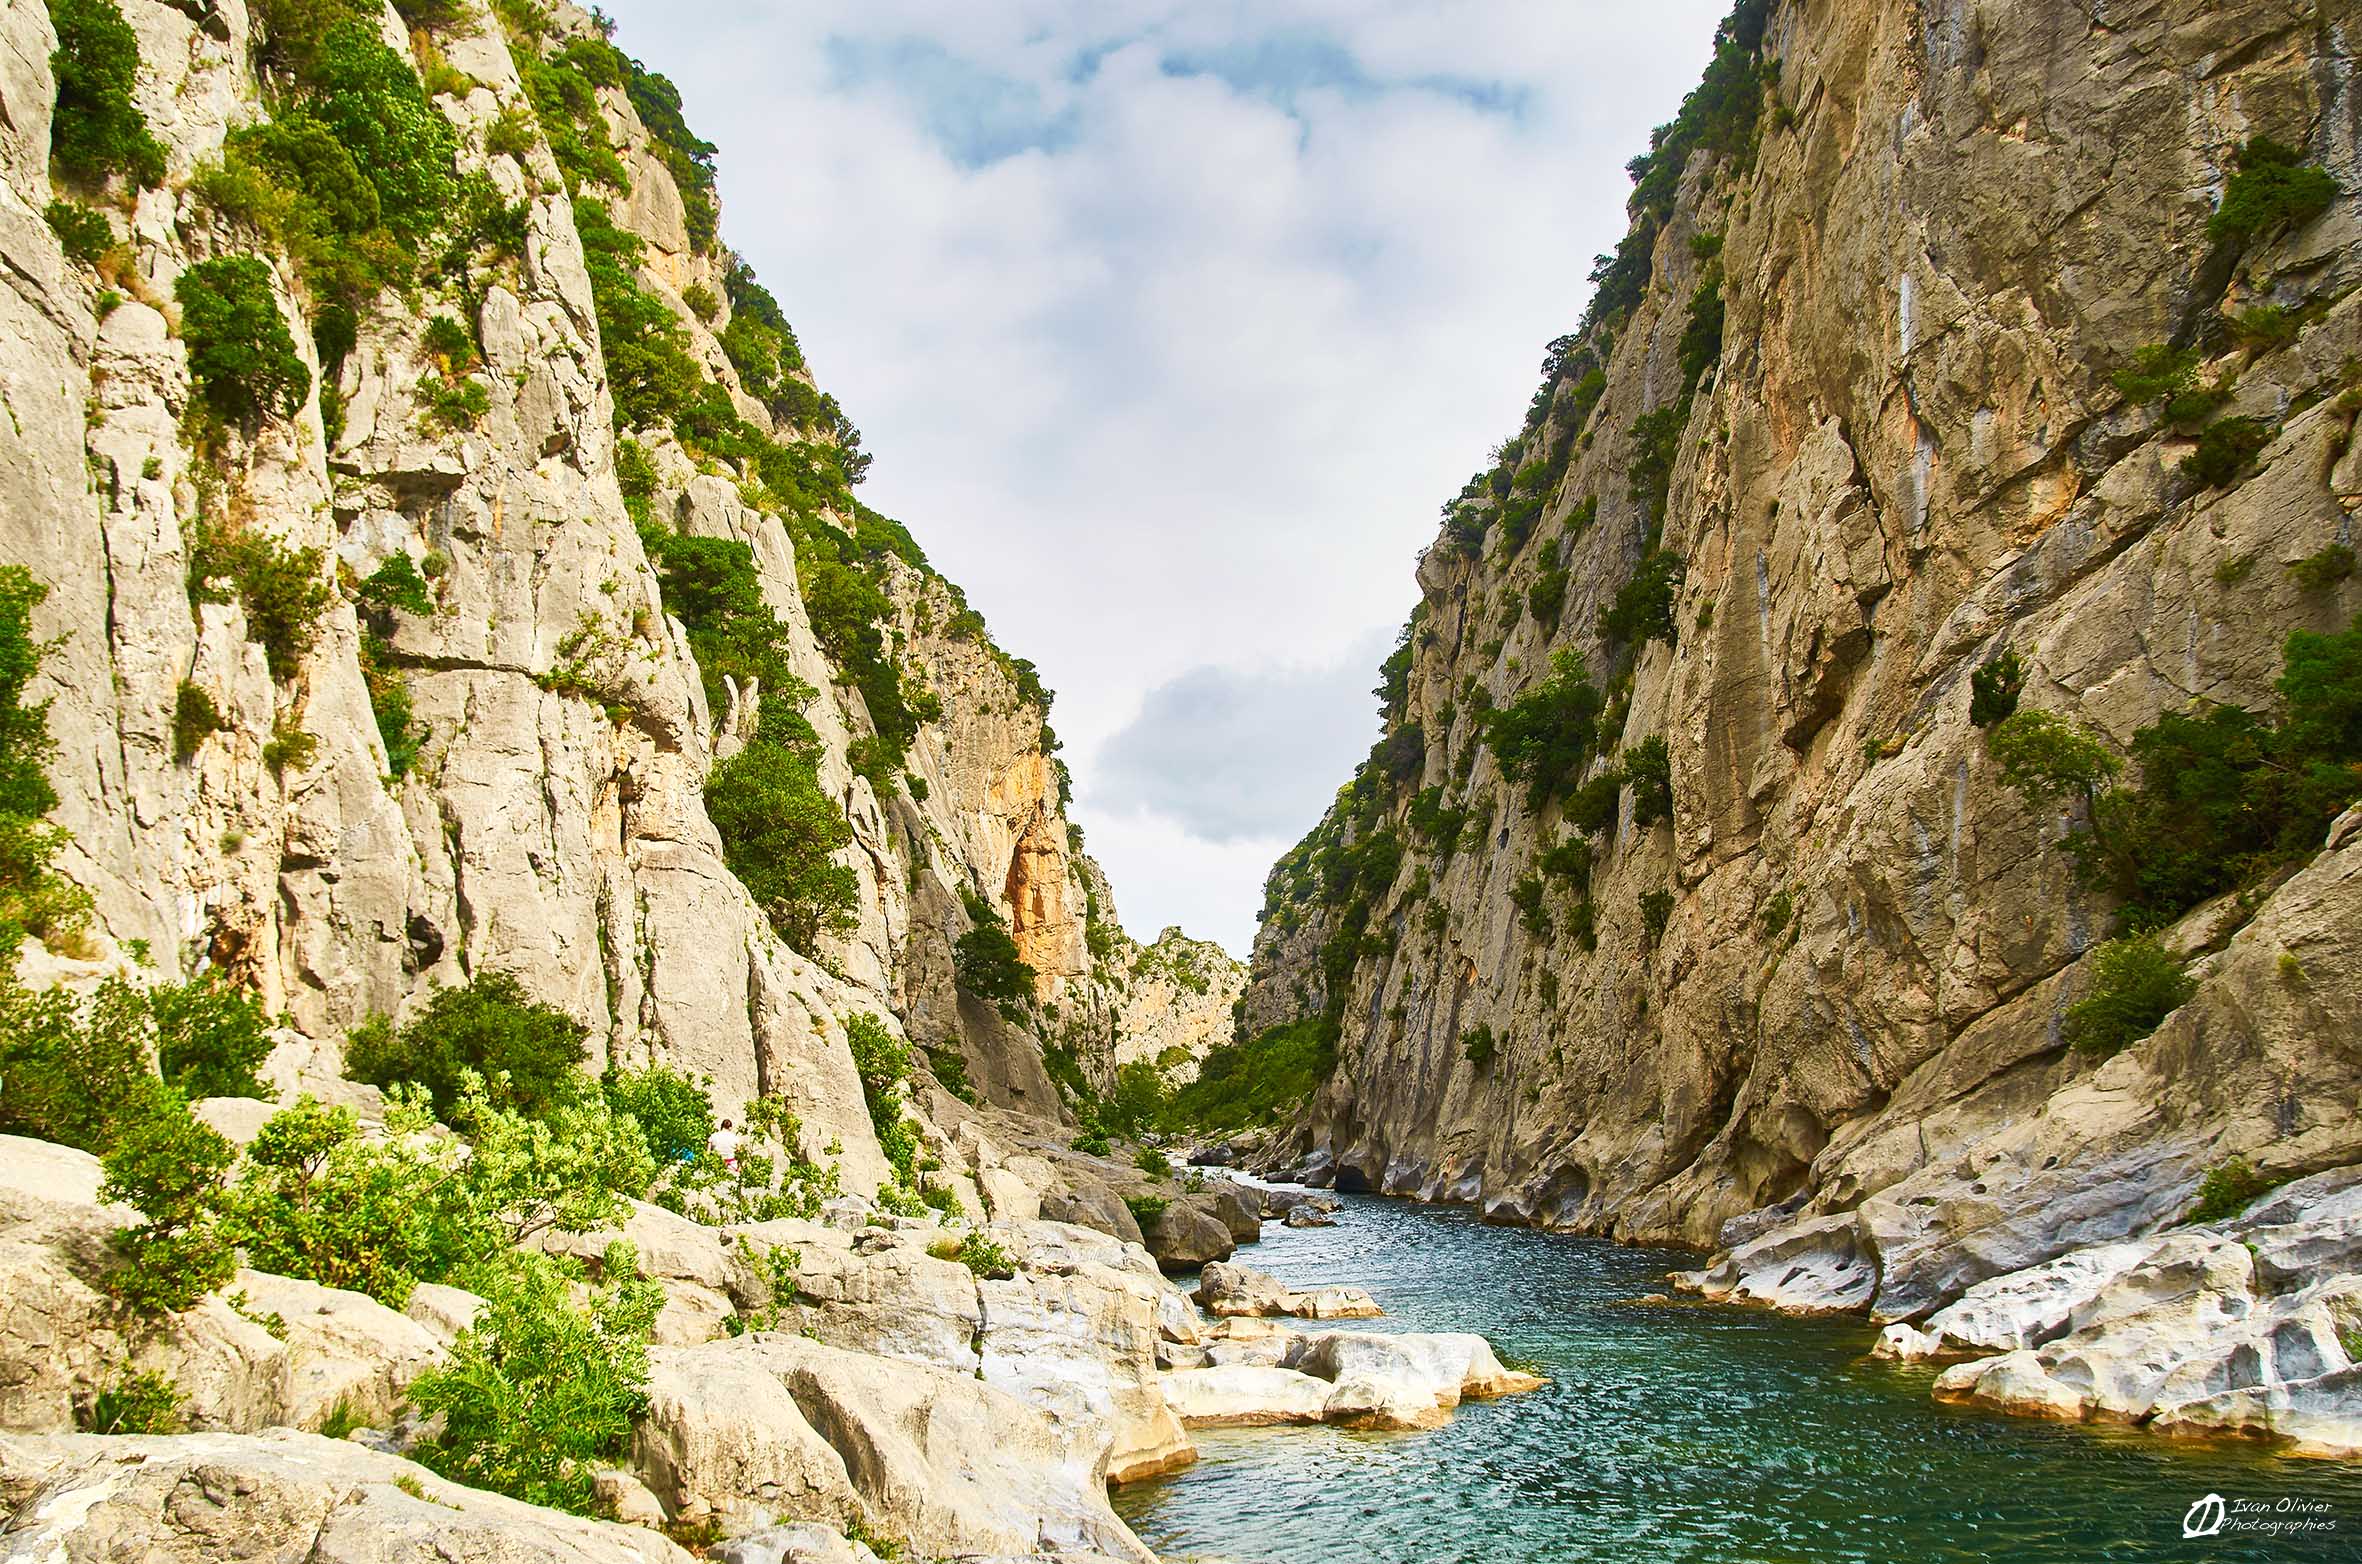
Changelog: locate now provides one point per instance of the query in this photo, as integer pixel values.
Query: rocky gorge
(556, 1008)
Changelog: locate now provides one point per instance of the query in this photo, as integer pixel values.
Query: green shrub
(2048, 760)
(2225, 795)
(572, 1165)
(83, 234)
(986, 1258)
(241, 356)
(1153, 1162)
(1533, 912)
(2225, 447)
(1478, 1046)
(34, 899)
(1570, 860)
(194, 720)
(2158, 372)
(98, 130)
(1147, 1210)
(2321, 571)
(453, 404)
(281, 590)
(950, 1068)
(75, 1072)
(320, 1201)
(2230, 1187)
(1993, 689)
(711, 585)
(2270, 191)
(1776, 913)
(1700, 347)
(985, 961)
(882, 1062)
(210, 1037)
(1256, 1079)
(1656, 910)
(672, 1109)
(371, 100)
(540, 1392)
(1547, 597)
(1594, 805)
(526, 1053)
(1656, 447)
(1648, 767)
(133, 1401)
(2135, 984)
(289, 747)
(1643, 609)
(1546, 736)
(780, 829)
(397, 584)
(2266, 327)
(170, 1167)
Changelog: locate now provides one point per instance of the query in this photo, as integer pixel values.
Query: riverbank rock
(1278, 1202)
(769, 1427)
(1237, 1207)
(1308, 1216)
(1188, 1233)
(203, 1498)
(1227, 1291)
(2251, 1326)
(1814, 1267)
(1245, 1395)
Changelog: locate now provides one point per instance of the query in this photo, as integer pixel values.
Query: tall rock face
(541, 807)
(1778, 944)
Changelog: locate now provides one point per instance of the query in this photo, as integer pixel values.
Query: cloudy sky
(1171, 324)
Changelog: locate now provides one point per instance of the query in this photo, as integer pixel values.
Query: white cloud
(1172, 322)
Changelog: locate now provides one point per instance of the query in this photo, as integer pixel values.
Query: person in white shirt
(723, 1143)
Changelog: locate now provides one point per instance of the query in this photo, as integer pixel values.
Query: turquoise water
(1682, 1433)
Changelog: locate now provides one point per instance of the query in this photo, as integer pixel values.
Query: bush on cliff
(97, 129)
(83, 1071)
(541, 1391)
(2270, 191)
(2135, 984)
(1255, 1080)
(1546, 736)
(780, 831)
(985, 960)
(281, 590)
(170, 1166)
(524, 1052)
(241, 355)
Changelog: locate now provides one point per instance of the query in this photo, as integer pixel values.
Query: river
(1682, 1433)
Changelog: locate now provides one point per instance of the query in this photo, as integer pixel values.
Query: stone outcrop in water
(1734, 934)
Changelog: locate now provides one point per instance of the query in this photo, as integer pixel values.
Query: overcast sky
(1171, 324)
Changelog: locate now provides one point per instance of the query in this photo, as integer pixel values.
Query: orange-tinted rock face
(1047, 929)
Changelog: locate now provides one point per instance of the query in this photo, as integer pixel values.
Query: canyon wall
(1848, 402)
(552, 819)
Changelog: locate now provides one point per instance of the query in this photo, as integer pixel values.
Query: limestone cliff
(1844, 426)
(540, 806)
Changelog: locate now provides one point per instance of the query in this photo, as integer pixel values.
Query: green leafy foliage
(318, 1200)
(194, 720)
(1257, 1079)
(133, 1401)
(83, 234)
(672, 1109)
(241, 355)
(1993, 689)
(1643, 609)
(2050, 761)
(210, 1037)
(986, 1258)
(2271, 191)
(1648, 768)
(1656, 447)
(170, 1167)
(1478, 1046)
(2319, 571)
(2225, 794)
(397, 584)
(1547, 735)
(985, 960)
(2225, 447)
(34, 898)
(283, 591)
(390, 704)
(1700, 347)
(1656, 910)
(524, 1052)
(779, 829)
(98, 130)
(2230, 1187)
(712, 585)
(2135, 984)
(541, 1391)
